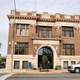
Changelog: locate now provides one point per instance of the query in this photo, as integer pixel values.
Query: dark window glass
(65, 64)
(22, 30)
(45, 32)
(25, 64)
(67, 31)
(21, 48)
(16, 64)
(73, 62)
(68, 49)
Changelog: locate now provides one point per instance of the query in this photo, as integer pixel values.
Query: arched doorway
(45, 55)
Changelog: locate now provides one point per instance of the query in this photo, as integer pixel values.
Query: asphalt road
(63, 76)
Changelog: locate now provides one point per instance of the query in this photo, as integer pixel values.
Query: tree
(0, 45)
(3, 61)
(44, 60)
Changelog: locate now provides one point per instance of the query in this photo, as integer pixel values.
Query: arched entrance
(45, 56)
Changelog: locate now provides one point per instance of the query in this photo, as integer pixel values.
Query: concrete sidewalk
(30, 71)
(43, 72)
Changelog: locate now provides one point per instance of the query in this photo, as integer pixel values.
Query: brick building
(33, 36)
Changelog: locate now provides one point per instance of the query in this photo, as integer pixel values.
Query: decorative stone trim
(48, 18)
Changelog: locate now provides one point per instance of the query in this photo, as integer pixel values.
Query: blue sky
(51, 6)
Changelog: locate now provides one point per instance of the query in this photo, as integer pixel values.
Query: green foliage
(34, 68)
(2, 60)
(58, 67)
(44, 59)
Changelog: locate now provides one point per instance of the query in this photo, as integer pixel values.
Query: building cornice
(45, 17)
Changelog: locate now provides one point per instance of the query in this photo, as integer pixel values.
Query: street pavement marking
(4, 77)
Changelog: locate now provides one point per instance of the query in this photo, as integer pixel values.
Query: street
(63, 76)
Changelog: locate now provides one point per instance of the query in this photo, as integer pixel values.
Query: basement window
(16, 64)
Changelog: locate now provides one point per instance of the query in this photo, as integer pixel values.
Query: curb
(37, 72)
(34, 72)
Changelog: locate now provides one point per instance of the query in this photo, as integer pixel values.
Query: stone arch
(53, 50)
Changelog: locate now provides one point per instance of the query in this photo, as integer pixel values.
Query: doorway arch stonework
(55, 57)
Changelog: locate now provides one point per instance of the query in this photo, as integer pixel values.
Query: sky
(51, 6)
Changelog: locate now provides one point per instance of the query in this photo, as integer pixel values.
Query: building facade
(35, 38)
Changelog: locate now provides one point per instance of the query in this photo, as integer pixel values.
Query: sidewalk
(45, 72)
(30, 71)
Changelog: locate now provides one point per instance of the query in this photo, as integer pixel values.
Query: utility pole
(13, 36)
(35, 5)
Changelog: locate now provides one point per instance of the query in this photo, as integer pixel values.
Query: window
(73, 62)
(68, 49)
(21, 48)
(22, 30)
(78, 62)
(16, 64)
(65, 64)
(45, 32)
(25, 64)
(67, 31)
